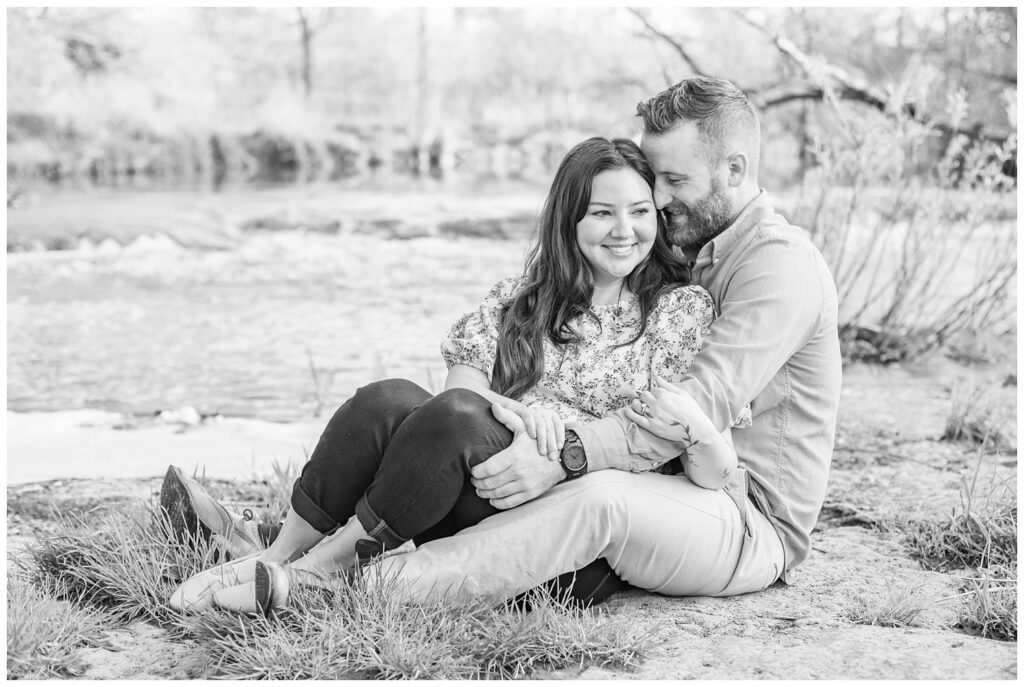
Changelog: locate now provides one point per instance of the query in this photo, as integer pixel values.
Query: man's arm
(771, 308)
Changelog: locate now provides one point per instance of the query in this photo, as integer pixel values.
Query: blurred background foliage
(321, 91)
(890, 133)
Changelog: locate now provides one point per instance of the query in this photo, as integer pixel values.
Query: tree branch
(847, 85)
(1005, 79)
(819, 77)
(673, 43)
(780, 94)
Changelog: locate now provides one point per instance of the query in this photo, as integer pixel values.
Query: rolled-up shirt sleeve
(617, 443)
(772, 307)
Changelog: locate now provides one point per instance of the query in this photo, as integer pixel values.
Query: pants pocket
(760, 558)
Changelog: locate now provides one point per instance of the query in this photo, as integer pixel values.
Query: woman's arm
(466, 377)
(673, 414)
(711, 461)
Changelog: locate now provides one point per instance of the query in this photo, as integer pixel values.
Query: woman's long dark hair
(558, 282)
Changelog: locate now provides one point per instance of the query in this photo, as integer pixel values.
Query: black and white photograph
(516, 342)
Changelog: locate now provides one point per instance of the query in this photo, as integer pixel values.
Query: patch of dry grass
(128, 564)
(896, 607)
(976, 535)
(990, 603)
(981, 536)
(125, 562)
(45, 633)
(363, 632)
(976, 417)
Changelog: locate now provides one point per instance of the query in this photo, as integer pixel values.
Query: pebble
(186, 415)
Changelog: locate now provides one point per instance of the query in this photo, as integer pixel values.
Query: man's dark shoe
(590, 585)
(196, 516)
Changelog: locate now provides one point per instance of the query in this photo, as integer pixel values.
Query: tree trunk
(307, 54)
(422, 92)
(806, 154)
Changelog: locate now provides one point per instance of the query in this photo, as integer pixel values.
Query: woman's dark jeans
(398, 459)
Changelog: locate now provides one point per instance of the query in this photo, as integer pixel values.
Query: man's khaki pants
(659, 532)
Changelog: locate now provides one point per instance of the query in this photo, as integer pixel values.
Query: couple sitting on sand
(652, 402)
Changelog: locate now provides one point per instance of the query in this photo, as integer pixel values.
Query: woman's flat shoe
(267, 592)
(196, 593)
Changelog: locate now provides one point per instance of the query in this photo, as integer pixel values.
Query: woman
(601, 310)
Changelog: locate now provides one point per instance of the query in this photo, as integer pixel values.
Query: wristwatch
(573, 456)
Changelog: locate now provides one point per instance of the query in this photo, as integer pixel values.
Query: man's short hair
(725, 118)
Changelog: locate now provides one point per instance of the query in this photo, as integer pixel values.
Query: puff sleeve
(473, 339)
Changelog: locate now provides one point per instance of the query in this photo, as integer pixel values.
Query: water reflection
(373, 180)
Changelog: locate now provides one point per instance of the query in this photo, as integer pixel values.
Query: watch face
(575, 458)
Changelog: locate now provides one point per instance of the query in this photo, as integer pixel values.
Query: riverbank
(889, 469)
(226, 357)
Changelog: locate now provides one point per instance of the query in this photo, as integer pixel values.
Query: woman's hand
(670, 413)
(544, 426)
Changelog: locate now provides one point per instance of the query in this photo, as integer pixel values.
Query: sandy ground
(799, 631)
(81, 444)
(884, 468)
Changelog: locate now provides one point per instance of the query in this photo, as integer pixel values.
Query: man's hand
(519, 473)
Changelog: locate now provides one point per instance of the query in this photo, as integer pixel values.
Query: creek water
(285, 324)
(279, 326)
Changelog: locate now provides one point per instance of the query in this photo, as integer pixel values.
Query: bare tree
(678, 47)
(422, 87)
(307, 50)
(309, 26)
(816, 78)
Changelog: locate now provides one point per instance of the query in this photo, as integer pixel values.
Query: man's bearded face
(691, 225)
(690, 186)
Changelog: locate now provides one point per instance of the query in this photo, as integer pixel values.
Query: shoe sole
(264, 591)
(177, 503)
(271, 588)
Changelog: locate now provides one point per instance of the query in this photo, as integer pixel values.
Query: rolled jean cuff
(307, 509)
(375, 525)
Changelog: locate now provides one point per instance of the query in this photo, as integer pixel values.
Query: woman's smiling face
(618, 230)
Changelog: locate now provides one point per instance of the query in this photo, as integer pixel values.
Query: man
(774, 346)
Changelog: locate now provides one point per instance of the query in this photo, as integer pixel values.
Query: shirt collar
(712, 251)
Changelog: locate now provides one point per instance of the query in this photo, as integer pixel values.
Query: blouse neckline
(623, 304)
